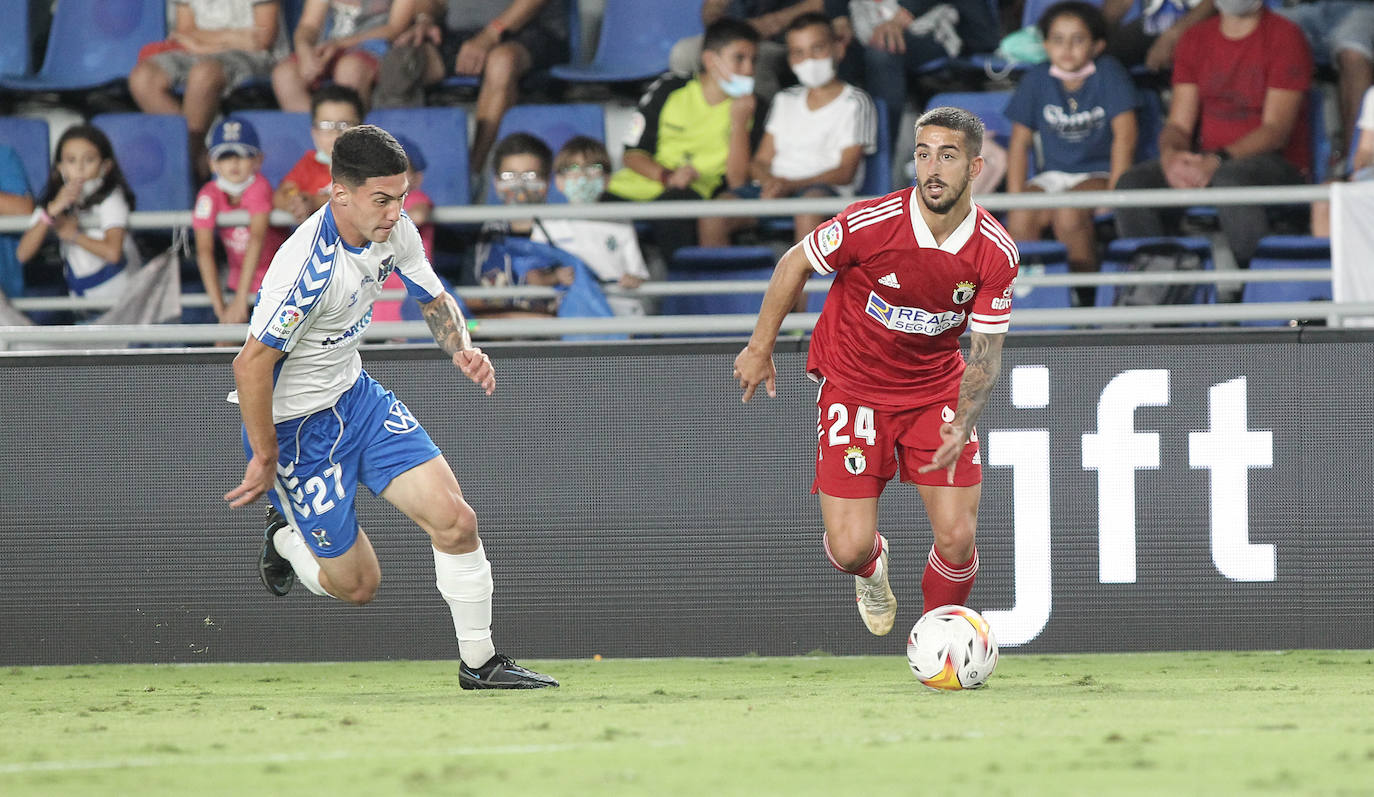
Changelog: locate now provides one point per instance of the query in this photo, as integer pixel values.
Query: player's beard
(948, 198)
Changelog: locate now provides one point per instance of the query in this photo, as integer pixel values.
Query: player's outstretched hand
(753, 367)
(476, 366)
(257, 480)
(952, 442)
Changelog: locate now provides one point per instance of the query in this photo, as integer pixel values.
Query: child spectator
(692, 137)
(86, 203)
(1082, 104)
(15, 200)
(419, 207)
(816, 137)
(342, 41)
(215, 47)
(609, 248)
(506, 256)
(1361, 166)
(305, 189)
(235, 157)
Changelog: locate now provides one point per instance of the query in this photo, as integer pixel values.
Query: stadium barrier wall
(1152, 490)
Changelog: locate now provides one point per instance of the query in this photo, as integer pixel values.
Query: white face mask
(323, 157)
(1239, 8)
(234, 189)
(91, 186)
(815, 72)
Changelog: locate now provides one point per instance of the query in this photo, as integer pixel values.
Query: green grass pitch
(1149, 724)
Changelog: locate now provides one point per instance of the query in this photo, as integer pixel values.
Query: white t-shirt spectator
(113, 211)
(609, 248)
(808, 142)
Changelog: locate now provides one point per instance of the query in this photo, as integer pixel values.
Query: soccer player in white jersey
(316, 425)
(912, 270)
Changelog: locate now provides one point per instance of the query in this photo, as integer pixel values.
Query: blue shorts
(367, 437)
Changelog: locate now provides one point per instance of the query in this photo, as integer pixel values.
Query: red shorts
(859, 447)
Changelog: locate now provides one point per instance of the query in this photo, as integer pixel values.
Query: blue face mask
(582, 190)
(738, 85)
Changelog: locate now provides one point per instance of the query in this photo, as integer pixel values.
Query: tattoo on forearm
(446, 323)
(980, 374)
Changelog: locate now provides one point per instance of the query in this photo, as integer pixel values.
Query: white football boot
(877, 604)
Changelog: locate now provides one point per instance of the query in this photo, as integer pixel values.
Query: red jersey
(309, 175)
(1233, 76)
(889, 331)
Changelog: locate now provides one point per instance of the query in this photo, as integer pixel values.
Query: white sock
(877, 576)
(464, 579)
(290, 545)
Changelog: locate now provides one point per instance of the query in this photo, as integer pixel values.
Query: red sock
(870, 564)
(944, 583)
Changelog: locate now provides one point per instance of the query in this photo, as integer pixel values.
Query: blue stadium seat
(554, 125)
(441, 134)
(1042, 257)
(152, 152)
(635, 38)
(29, 138)
(1120, 251)
(91, 43)
(878, 166)
(696, 263)
(15, 56)
(1288, 251)
(990, 106)
(285, 138)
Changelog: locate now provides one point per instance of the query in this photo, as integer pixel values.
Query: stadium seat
(152, 152)
(441, 134)
(696, 263)
(15, 56)
(990, 106)
(285, 138)
(29, 138)
(1042, 257)
(1119, 254)
(878, 166)
(635, 38)
(554, 125)
(1288, 251)
(92, 43)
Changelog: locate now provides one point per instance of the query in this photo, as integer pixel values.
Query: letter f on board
(1116, 451)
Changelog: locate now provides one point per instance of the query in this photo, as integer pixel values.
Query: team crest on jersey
(321, 537)
(399, 420)
(963, 292)
(285, 321)
(854, 460)
(830, 238)
(388, 266)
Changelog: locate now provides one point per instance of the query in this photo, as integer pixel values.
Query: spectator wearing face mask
(1240, 85)
(816, 137)
(609, 248)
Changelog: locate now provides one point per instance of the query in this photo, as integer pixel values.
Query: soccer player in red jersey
(912, 270)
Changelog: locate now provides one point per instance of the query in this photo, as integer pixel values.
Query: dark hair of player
(956, 119)
(364, 152)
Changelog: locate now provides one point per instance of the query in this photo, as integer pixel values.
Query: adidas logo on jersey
(890, 280)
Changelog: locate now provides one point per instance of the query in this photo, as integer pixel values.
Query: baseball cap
(417, 158)
(233, 137)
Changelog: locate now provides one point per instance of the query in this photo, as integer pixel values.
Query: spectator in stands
(15, 200)
(1150, 37)
(1340, 33)
(341, 41)
(1082, 104)
(505, 254)
(816, 137)
(1361, 165)
(769, 17)
(899, 37)
(235, 158)
(86, 204)
(693, 137)
(215, 47)
(420, 208)
(305, 189)
(609, 248)
(1239, 87)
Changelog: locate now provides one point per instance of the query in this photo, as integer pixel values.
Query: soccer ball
(952, 648)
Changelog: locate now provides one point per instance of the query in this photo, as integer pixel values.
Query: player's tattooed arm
(447, 324)
(980, 374)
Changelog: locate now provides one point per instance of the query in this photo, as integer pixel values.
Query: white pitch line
(292, 758)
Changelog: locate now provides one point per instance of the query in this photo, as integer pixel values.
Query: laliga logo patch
(286, 320)
(830, 238)
(400, 420)
(854, 460)
(963, 291)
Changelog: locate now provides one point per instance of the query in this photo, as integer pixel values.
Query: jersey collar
(331, 229)
(926, 239)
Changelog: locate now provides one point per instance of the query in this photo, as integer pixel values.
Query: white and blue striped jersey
(316, 302)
